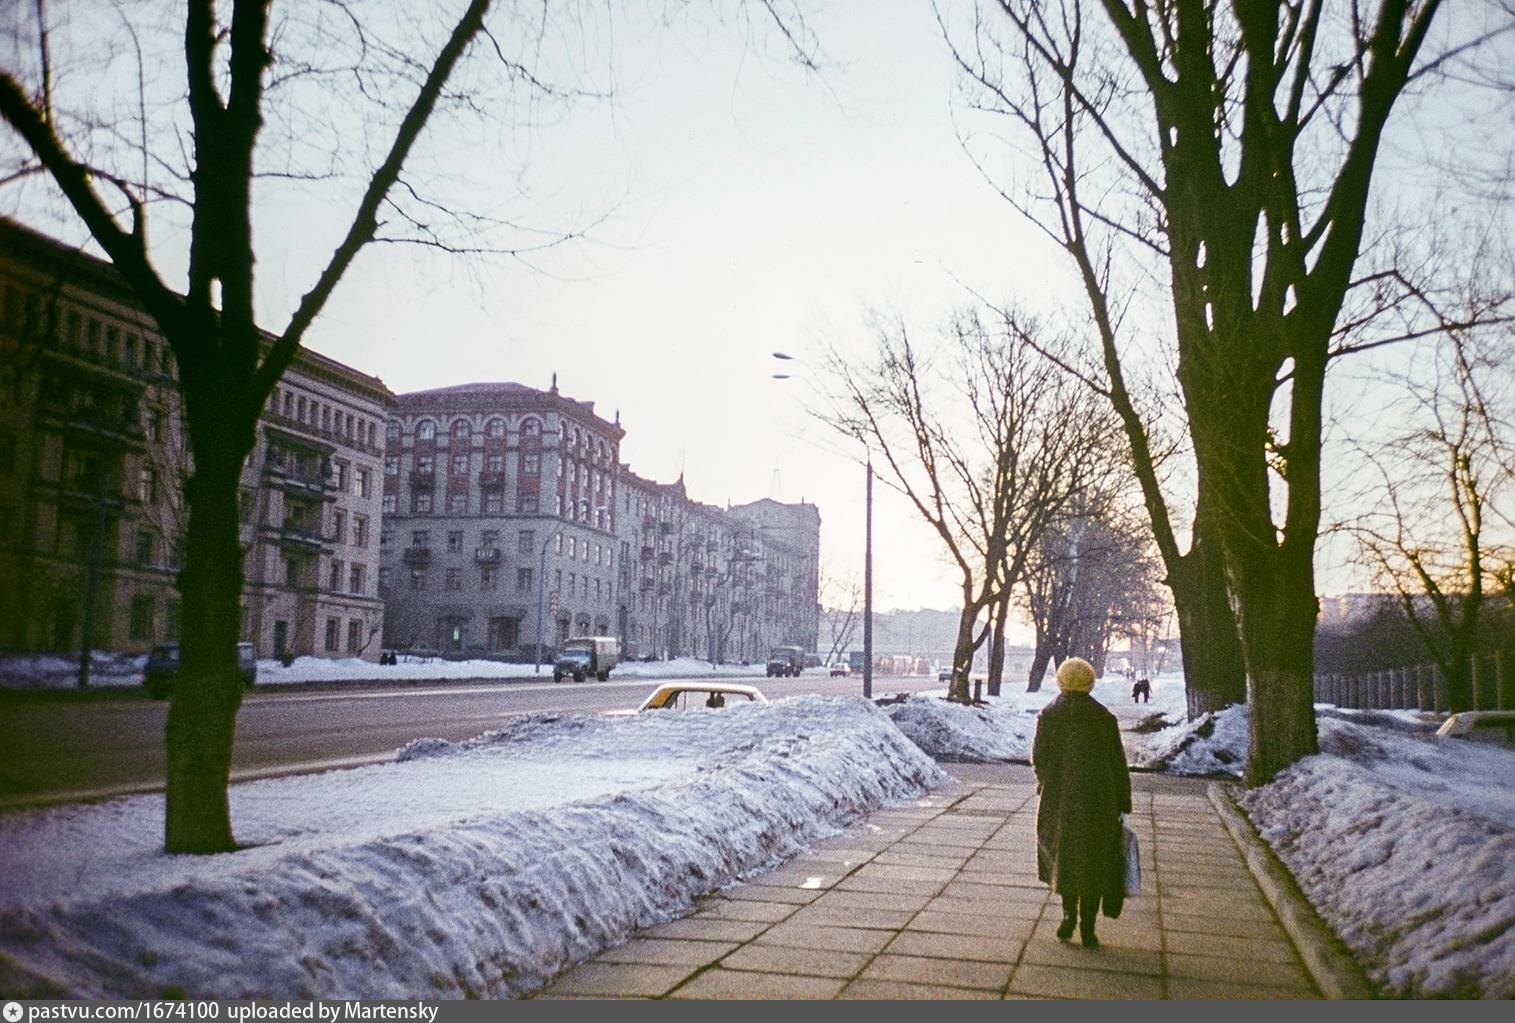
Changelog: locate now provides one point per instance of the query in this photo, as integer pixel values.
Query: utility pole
(868, 587)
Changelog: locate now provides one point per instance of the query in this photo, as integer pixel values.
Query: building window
(526, 503)
(531, 428)
(461, 429)
(361, 485)
(390, 504)
(420, 504)
(454, 579)
(360, 530)
(504, 633)
(391, 428)
(392, 465)
(334, 579)
(494, 503)
(523, 580)
(460, 465)
(454, 541)
(495, 428)
(573, 546)
(526, 543)
(457, 502)
(488, 577)
(417, 580)
(142, 619)
(354, 636)
(355, 579)
(425, 463)
(341, 468)
(147, 485)
(558, 509)
(573, 584)
(426, 430)
(531, 464)
(495, 463)
(339, 525)
(383, 578)
(420, 538)
(144, 552)
(333, 626)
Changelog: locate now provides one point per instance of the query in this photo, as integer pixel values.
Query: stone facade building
(500, 499)
(92, 452)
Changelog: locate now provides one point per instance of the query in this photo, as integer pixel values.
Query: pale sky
(739, 206)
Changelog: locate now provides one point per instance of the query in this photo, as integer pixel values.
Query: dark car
(163, 668)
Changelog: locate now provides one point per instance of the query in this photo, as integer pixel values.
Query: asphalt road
(66, 750)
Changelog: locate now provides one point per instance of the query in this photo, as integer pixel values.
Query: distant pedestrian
(1143, 689)
(1084, 786)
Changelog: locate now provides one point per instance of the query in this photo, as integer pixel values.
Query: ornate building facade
(92, 454)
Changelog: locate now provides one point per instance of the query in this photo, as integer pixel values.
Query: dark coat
(1085, 787)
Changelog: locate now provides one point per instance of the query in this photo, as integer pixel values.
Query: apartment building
(498, 498)
(506, 506)
(93, 452)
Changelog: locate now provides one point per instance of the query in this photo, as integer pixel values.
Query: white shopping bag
(1133, 863)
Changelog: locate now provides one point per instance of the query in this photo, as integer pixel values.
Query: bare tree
(1236, 145)
(984, 437)
(1445, 526)
(208, 157)
(841, 613)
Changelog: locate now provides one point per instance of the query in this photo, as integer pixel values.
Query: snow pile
(56, 671)
(953, 732)
(353, 669)
(1405, 843)
(1209, 745)
(463, 870)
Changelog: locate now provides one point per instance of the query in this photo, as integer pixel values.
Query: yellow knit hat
(1075, 675)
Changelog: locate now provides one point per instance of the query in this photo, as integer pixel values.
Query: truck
(785, 661)
(856, 661)
(585, 656)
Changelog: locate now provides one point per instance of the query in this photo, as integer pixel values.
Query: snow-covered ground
(50, 671)
(1002, 730)
(1405, 842)
(477, 868)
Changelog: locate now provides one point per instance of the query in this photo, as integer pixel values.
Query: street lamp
(542, 586)
(867, 557)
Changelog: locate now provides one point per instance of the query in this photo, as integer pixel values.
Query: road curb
(1330, 963)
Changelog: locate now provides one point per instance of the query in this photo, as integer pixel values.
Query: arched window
(531, 429)
(391, 428)
(460, 429)
(495, 428)
(600, 454)
(426, 430)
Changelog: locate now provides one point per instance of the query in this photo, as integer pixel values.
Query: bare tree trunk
(997, 644)
(1214, 673)
(1278, 634)
(202, 713)
(962, 652)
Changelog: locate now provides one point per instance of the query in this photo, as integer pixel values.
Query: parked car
(785, 662)
(585, 656)
(695, 696)
(163, 668)
(1481, 726)
(841, 668)
(945, 675)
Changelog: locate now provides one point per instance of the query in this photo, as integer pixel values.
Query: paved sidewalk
(939, 899)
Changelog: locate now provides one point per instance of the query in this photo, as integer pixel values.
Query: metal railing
(1422, 686)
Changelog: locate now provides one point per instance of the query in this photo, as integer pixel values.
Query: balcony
(416, 556)
(423, 479)
(300, 538)
(492, 478)
(487, 555)
(300, 483)
(92, 426)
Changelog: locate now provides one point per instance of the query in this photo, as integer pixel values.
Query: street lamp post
(867, 558)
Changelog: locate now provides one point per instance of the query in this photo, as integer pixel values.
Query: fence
(1422, 686)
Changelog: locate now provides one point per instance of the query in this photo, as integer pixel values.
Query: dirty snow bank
(1405, 842)
(999, 732)
(59, 671)
(488, 895)
(1211, 744)
(353, 669)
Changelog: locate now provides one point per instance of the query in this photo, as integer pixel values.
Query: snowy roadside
(478, 868)
(1405, 843)
(115, 670)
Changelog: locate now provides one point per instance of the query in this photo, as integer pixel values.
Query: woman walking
(1085, 787)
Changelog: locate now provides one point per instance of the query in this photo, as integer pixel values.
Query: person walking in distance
(1084, 787)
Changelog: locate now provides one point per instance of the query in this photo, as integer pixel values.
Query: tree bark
(1041, 656)
(202, 713)
(963, 651)
(1277, 634)
(1214, 673)
(997, 645)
